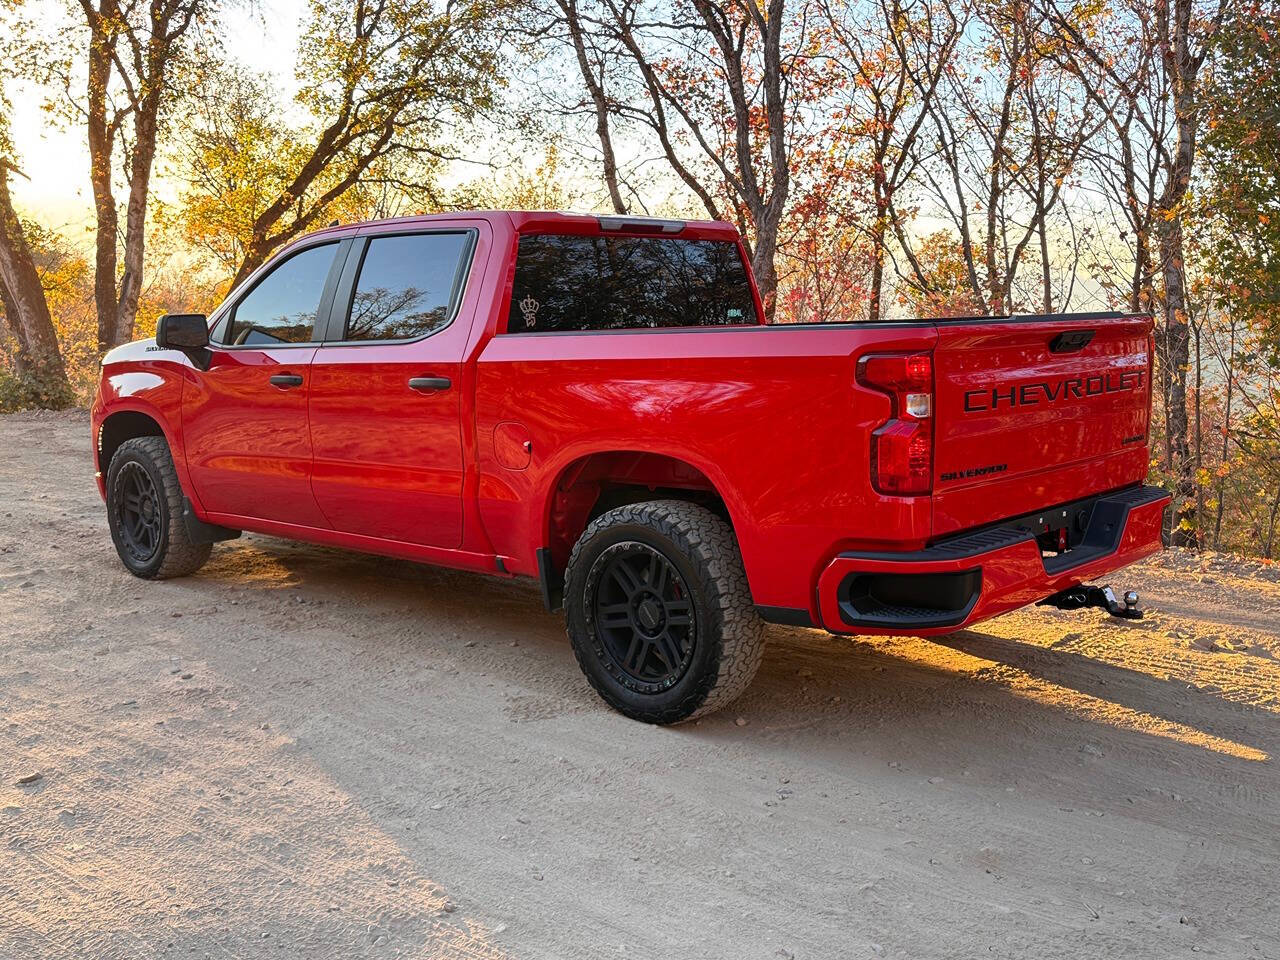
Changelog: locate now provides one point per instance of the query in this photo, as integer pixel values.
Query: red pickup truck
(596, 402)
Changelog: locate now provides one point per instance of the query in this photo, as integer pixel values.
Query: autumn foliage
(881, 158)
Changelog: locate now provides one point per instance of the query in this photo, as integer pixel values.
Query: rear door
(244, 420)
(387, 387)
(1033, 412)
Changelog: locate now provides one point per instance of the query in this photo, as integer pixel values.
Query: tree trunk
(1177, 363)
(256, 253)
(599, 100)
(766, 272)
(101, 135)
(115, 39)
(1200, 511)
(877, 241)
(38, 360)
(1271, 532)
(1138, 299)
(1226, 439)
(126, 307)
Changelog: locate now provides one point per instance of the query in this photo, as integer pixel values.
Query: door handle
(1069, 341)
(286, 380)
(430, 383)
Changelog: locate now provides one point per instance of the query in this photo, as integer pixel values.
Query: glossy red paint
(139, 386)
(1012, 577)
(534, 427)
(245, 442)
(1059, 425)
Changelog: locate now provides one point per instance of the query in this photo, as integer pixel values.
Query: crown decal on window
(529, 309)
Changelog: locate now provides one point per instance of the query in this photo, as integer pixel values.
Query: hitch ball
(1081, 596)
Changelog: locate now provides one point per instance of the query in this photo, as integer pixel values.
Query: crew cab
(597, 402)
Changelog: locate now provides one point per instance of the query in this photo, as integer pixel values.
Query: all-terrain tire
(166, 550)
(728, 636)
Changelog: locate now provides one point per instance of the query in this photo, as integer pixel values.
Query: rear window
(574, 283)
(407, 286)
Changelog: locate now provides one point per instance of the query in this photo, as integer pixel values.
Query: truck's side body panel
(773, 418)
(246, 443)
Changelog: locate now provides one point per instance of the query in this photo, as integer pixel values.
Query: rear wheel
(144, 511)
(659, 612)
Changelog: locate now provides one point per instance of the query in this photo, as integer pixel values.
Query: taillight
(902, 447)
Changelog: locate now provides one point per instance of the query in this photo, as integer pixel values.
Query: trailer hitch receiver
(1080, 596)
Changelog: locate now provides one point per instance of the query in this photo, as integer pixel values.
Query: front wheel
(659, 612)
(144, 511)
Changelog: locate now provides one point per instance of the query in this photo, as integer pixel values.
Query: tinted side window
(282, 307)
(407, 286)
(614, 283)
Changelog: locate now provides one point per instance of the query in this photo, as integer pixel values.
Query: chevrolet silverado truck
(596, 402)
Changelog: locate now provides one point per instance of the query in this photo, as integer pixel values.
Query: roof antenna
(336, 223)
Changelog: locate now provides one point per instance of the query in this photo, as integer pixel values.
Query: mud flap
(200, 532)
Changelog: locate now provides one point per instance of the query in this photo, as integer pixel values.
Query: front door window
(282, 306)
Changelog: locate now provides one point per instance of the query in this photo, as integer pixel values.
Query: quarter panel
(771, 415)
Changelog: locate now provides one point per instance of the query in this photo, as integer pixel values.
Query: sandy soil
(301, 752)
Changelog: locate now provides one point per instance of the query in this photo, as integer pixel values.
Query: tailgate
(1037, 411)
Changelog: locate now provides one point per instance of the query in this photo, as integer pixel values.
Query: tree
(382, 83)
(595, 55)
(545, 187)
(235, 154)
(41, 375)
(725, 90)
(130, 51)
(1141, 63)
(945, 288)
(1238, 211)
(1006, 136)
(1234, 228)
(896, 53)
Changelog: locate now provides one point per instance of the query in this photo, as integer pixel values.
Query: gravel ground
(301, 752)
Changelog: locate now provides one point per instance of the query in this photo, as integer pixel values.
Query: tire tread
(181, 557)
(738, 632)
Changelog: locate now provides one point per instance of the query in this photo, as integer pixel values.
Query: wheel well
(599, 482)
(118, 428)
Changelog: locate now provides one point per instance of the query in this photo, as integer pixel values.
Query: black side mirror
(182, 331)
(188, 332)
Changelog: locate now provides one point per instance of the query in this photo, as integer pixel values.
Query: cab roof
(554, 221)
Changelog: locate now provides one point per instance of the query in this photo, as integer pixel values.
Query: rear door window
(576, 283)
(408, 285)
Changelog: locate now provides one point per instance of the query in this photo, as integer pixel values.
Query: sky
(54, 157)
(260, 34)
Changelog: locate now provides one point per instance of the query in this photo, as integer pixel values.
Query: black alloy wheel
(659, 611)
(138, 516)
(145, 506)
(642, 611)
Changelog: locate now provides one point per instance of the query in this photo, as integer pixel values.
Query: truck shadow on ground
(955, 697)
(1162, 697)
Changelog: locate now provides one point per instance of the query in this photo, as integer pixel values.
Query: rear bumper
(962, 580)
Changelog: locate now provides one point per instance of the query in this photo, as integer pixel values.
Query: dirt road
(301, 752)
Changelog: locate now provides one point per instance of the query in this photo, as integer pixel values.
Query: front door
(386, 392)
(244, 420)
